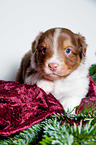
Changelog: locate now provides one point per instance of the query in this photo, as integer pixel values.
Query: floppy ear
(36, 41)
(82, 45)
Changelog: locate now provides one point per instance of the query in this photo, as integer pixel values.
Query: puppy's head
(58, 52)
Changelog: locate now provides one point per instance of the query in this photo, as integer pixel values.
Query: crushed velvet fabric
(21, 106)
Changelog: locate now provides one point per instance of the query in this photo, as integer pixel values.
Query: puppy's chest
(65, 89)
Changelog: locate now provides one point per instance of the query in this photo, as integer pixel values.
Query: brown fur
(25, 64)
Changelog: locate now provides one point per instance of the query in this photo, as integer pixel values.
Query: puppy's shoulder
(24, 65)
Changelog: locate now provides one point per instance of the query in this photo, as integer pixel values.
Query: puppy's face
(58, 52)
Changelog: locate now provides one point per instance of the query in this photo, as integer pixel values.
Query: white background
(22, 20)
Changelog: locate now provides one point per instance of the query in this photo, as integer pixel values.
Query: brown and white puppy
(57, 65)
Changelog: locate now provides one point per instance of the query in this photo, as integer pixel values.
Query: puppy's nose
(53, 66)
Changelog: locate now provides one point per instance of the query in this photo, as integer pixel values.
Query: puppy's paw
(46, 85)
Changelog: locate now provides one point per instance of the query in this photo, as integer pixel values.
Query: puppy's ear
(36, 41)
(82, 45)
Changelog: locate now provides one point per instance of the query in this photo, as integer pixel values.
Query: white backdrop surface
(22, 20)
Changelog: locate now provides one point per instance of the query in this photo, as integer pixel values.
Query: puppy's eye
(43, 50)
(67, 51)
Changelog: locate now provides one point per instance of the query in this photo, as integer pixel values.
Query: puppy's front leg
(46, 85)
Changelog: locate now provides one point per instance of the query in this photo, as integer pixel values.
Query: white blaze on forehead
(55, 58)
(55, 42)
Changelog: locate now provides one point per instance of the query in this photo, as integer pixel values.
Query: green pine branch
(92, 72)
(67, 134)
(25, 137)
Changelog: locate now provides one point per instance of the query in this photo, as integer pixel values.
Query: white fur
(33, 64)
(46, 85)
(70, 90)
(55, 42)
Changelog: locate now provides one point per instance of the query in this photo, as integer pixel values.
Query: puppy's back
(25, 64)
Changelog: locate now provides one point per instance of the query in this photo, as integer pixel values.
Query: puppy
(57, 64)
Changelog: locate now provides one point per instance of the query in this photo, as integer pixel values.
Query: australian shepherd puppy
(57, 64)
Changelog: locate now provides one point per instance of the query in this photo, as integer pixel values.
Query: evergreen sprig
(67, 134)
(25, 137)
(92, 72)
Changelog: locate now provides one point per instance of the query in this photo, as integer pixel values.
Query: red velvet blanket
(21, 106)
